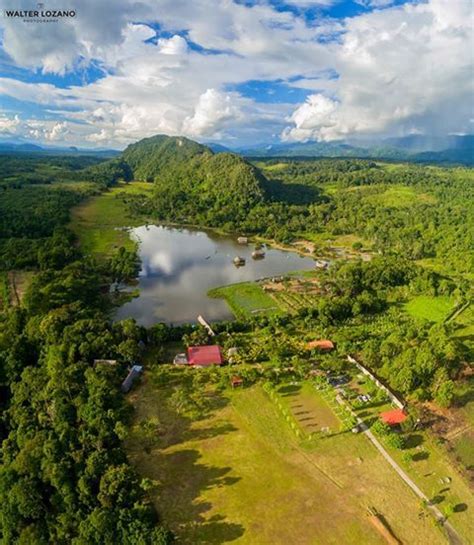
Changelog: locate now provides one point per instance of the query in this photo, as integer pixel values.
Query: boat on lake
(239, 261)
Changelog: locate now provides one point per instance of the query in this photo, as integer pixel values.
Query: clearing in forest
(434, 309)
(100, 222)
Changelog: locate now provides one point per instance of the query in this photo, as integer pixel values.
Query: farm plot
(309, 407)
(293, 302)
(246, 299)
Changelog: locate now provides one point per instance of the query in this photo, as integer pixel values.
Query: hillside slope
(191, 182)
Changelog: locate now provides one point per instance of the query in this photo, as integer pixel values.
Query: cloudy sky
(236, 71)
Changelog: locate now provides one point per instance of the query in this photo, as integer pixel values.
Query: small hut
(231, 353)
(180, 359)
(236, 381)
(322, 264)
(132, 376)
(324, 345)
(242, 240)
(105, 362)
(393, 417)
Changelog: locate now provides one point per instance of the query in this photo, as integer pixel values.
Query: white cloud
(9, 124)
(212, 111)
(402, 70)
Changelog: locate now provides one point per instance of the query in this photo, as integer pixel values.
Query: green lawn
(239, 475)
(99, 221)
(246, 299)
(434, 309)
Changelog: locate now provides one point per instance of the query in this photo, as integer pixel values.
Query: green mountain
(192, 183)
(150, 157)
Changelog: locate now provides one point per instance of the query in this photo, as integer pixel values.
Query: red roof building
(323, 344)
(393, 417)
(236, 381)
(203, 356)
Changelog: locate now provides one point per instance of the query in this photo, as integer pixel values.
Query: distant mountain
(417, 143)
(306, 149)
(218, 148)
(18, 146)
(417, 148)
(11, 147)
(190, 176)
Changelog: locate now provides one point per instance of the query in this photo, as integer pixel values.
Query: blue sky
(238, 72)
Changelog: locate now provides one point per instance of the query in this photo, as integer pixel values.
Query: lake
(179, 266)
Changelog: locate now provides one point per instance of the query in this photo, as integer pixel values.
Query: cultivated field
(246, 299)
(240, 474)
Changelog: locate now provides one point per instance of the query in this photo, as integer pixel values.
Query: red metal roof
(395, 416)
(204, 355)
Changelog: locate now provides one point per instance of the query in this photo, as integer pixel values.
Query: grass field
(434, 309)
(400, 196)
(99, 221)
(239, 475)
(246, 299)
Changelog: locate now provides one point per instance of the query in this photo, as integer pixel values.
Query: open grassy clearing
(246, 299)
(400, 196)
(240, 475)
(99, 222)
(434, 309)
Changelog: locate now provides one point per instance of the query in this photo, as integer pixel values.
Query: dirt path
(453, 537)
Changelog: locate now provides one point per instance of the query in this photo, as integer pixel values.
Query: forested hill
(189, 178)
(150, 157)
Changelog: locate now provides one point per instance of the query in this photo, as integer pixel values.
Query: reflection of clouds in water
(165, 251)
(180, 266)
(160, 262)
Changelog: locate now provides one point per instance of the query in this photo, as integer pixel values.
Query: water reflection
(179, 266)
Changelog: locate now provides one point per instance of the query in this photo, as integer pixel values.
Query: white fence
(372, 377)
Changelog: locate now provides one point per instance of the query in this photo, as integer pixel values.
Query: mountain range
(451, 149)
(416, 148)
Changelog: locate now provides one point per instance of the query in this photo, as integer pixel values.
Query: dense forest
(64, 476)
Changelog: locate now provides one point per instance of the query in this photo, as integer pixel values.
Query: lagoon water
(179, 267)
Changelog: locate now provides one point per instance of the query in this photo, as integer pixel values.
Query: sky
(237, 72)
